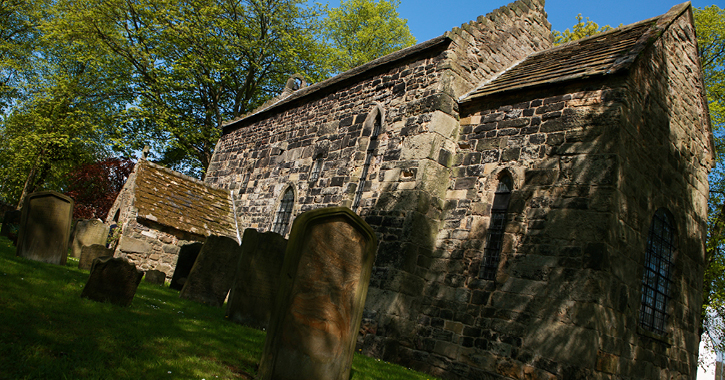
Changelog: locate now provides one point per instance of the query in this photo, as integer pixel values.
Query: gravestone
(187, 256)
(156, 277)
(11, 223)
(88, 232)
(257, 278)
(213, 272)
(318, 309)
(92, 252)
(45, 227)
(112, 279)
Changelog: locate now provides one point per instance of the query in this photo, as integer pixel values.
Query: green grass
(48, 332)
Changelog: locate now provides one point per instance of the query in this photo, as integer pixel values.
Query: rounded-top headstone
(45, 227)
(319, 305)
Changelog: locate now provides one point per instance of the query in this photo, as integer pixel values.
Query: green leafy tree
(57, 116)
(580, 30)
(362, 30)
(710, 27)
(194, 63)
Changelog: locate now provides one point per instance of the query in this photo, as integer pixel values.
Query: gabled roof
(602, 54)
(184, 203)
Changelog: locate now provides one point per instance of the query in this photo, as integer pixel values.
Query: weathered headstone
(88, 232)
(213, 272)
(187, 256)
(322, 292)
(11, 223)
(154, 276)
(45, 227)
(92, 252)
(257, 278)
(112, 279)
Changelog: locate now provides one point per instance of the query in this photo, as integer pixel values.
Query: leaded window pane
(494, 240)
(656, 279)
(282, 218)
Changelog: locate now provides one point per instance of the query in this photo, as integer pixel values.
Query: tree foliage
(195, 63)
(362, 30)
(710, 27)
(580, 30)
(94, 186)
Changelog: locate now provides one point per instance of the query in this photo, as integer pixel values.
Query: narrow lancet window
(656, 282)
(372, 145)
(494, 239)
(282, 218)
(316, 169)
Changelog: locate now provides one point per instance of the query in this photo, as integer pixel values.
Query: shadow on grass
(48, 332)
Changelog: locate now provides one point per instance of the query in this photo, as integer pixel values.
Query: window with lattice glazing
(281, 219)
(494, 238)
(657, 279)
(316, 169)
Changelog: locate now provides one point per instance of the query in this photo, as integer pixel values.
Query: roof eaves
(349, 75)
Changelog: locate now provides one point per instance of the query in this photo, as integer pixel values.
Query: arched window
(281, 219)
(316, 168)
(377, 122)
(657, 279)
(494, 239)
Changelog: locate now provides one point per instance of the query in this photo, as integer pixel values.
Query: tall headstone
(92, 252)
(187, 257)
(88, 232)
(213, 272)
(112, 279)
(257, 278)
(45, 227)
(318, 308)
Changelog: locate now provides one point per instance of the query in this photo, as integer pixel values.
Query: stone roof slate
(602, 54)
(184, 203)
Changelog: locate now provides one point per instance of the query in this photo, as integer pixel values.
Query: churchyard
(47, 331)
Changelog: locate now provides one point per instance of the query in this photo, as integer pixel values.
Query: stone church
(541, 210)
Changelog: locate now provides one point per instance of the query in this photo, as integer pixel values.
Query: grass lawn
(48, 332)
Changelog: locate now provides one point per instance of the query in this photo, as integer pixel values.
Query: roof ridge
(663, 22)
(180, 175)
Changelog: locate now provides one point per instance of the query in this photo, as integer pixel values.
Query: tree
(362, 30)
(95, 186)
(195, 63)
(579, 30)
(710, 27)
(58, 115)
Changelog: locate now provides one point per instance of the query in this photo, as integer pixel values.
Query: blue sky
(431, 18)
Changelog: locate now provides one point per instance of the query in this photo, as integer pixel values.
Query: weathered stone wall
(404, 194)
(666, 154)
(558, 149)
(590, 161)
(151, 246)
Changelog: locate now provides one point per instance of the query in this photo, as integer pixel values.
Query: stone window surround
(375, 123)
(278, 209)
(493, 254)
(648, 328)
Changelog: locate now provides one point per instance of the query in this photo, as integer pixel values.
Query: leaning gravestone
(88, 232)
(213, 272)
(187, 256)
(45, 227)
(318, 308)
(112, 279)
(257, 278)
(155, 277)
(92, 252)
